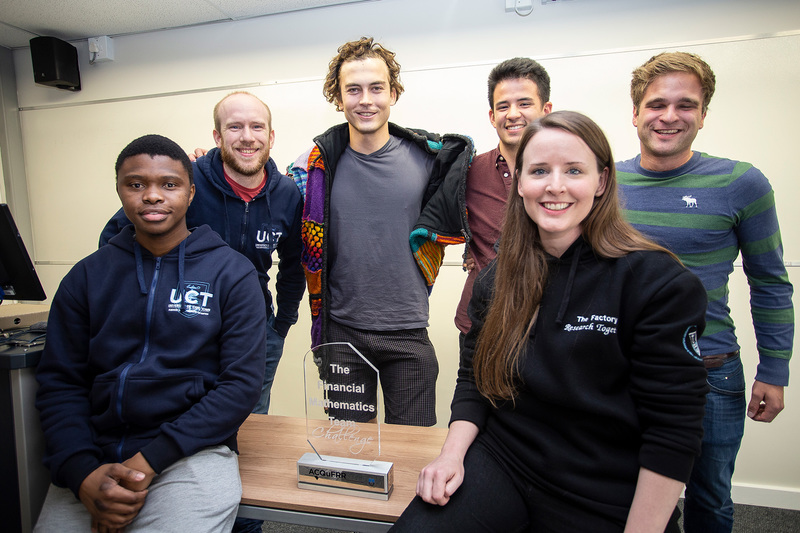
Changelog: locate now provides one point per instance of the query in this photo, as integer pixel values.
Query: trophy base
(340, 475)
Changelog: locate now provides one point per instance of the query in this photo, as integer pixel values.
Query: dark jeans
(274, 352)
(493, 499)
(708, 507)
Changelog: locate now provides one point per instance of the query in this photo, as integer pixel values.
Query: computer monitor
(18, 279)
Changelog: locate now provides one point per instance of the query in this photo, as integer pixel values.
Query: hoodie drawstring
(181, 284)
(227, 222)
(570, 280)
(137, 252)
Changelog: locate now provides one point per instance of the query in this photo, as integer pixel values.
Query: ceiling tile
(252, 8)
(11, 37)
(71, 20)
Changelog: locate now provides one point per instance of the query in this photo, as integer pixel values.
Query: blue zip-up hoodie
(163, 355)
(271, 221)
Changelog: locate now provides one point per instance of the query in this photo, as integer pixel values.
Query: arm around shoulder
(290, 283)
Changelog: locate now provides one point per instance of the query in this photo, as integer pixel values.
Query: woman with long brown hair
(580, 392)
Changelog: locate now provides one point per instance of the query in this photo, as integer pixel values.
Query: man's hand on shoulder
(111, 505)
(766, 401)
(198, 152)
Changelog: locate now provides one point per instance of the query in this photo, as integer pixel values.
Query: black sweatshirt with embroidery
(611, 380)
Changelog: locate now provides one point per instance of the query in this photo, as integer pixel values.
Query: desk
(269, 448)
(25, 481)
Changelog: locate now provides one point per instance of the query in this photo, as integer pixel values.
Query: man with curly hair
(381, 202)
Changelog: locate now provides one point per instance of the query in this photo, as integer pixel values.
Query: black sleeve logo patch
(690, 342)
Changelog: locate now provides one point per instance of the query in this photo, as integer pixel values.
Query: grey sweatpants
(198, 493)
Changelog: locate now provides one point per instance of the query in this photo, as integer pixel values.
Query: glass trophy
(343, 424)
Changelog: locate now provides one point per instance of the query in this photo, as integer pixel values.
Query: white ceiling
(72, 20)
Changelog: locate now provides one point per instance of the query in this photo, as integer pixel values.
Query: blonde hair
(667, 62)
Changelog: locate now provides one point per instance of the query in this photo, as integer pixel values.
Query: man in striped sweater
(707, 210)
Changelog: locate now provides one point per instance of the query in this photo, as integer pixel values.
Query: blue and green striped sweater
(707, 211)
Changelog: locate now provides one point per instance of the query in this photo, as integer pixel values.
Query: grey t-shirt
(376, 199)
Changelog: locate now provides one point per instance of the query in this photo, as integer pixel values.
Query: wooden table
(269, 448)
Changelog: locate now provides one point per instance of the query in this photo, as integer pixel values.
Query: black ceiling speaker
(55, 63)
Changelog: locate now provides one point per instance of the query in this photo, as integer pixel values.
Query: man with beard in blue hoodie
(149, 366)
(254, 208)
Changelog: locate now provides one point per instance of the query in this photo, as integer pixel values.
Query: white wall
(167, 82)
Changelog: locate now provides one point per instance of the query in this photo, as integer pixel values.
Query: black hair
(153, 145)
(520, 67)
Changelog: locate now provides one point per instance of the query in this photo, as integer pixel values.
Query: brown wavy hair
(363, 48)
(666, 63)
(521, 271)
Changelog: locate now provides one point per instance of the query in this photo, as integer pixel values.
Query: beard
(229, 158)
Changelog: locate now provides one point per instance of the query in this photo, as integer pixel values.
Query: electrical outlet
(101, 49)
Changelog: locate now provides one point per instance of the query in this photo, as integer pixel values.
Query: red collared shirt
(488, 183)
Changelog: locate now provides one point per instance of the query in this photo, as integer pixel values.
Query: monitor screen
(18, 279)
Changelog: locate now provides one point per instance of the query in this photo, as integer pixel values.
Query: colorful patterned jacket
(443, 219)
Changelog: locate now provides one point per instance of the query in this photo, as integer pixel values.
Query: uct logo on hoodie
(267, 239)
(193, 300)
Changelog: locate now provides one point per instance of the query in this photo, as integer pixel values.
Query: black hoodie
(611, 380)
